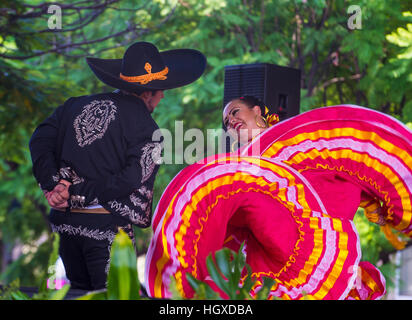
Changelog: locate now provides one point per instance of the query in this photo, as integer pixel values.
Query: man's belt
(93, 210)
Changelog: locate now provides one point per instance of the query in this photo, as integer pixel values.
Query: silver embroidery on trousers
(95, 234)
(83, 231)
(94, 120)
(150, 158)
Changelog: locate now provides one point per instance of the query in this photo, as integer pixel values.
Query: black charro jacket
(102, 144)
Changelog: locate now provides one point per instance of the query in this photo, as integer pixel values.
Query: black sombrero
(143, 67)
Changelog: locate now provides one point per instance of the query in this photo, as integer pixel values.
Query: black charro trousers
(85, 244)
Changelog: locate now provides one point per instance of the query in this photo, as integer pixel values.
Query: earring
(263, 119)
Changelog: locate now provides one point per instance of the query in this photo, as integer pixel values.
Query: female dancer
(291, 200)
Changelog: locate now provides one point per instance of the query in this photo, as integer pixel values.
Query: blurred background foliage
(41, 67)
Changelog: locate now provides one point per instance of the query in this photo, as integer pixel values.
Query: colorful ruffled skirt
(290, 196)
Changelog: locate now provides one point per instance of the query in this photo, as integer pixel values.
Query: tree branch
(336, 80)
(71, 45)
(78, 29)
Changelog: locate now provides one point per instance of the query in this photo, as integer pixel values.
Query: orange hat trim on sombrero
(146, 78)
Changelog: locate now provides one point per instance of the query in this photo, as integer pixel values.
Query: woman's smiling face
(240, 120)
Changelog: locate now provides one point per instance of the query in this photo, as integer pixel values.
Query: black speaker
(278, 87)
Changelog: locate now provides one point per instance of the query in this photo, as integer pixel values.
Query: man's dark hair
(138, 92)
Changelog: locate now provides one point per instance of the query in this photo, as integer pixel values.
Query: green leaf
(59, 294)
(123, 282)
(222, 259)
(194, 283)
(94, 295)
(248, 283)
(203, 290)
(264, 291)
(216, 276)
(18, 295)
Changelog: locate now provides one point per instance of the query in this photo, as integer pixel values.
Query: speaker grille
(243, 80)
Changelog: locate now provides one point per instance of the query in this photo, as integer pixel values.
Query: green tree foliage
(40, 68)
(12, 291)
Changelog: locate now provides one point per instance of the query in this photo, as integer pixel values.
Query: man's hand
(58, 197)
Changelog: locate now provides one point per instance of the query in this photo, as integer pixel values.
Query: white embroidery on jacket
(56, 177)
(133, 216)
(137, 200)
(150, 158)
(94, 120)
(68, 173)
(145, 192)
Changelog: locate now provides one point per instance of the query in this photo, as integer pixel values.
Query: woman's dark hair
(251, 101)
